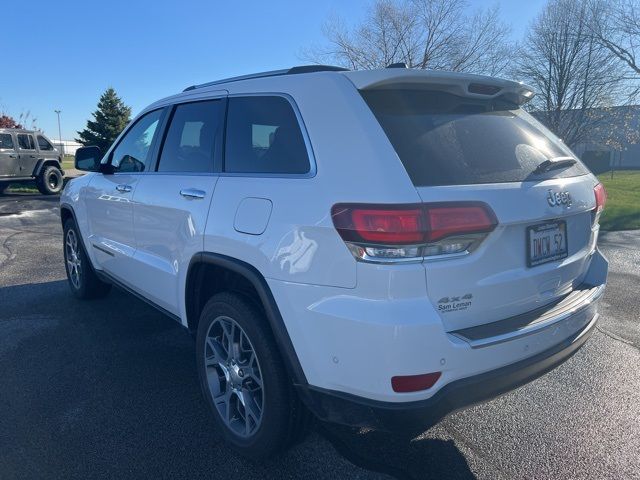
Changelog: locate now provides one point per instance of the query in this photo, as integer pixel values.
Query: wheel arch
(66, 213)
(196, 296)
(45, 162)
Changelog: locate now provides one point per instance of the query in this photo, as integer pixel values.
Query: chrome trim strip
(104, 250)
(430, 258)
(313, 166)
(535, 328)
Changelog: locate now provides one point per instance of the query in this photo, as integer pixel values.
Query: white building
(66, 147)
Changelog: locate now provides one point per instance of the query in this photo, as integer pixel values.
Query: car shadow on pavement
(109, 388)
(419, 458)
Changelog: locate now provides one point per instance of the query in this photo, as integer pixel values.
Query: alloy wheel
(234, 376)
(74, 264)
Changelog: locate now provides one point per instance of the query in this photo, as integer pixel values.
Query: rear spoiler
(461, 84)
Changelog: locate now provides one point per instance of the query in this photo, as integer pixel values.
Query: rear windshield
(443, 139)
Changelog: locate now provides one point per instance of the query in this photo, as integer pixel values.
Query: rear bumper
(417, 416)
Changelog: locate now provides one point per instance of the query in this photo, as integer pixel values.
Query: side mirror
(88, 159)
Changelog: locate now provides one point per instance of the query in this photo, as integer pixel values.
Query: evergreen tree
(110, 119)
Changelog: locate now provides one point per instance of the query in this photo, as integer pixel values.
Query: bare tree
(434, 34)
(616, 25)
(574, 75)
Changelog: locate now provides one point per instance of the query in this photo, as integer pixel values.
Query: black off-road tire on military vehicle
(50, 181)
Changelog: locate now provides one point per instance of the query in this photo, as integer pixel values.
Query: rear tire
(50, 181)
(244, 380)
(83, 280)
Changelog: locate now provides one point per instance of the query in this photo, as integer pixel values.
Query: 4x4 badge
(454, 304)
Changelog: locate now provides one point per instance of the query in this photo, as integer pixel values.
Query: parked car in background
(379, 247)
(29, 155)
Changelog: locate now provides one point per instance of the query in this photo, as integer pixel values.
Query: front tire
(244, 380)
(50, 181)
(83, 280)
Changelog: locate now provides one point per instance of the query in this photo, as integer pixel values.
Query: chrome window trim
(182, 174)
(313, 169)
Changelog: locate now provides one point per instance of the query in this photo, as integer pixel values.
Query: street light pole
(59, 131)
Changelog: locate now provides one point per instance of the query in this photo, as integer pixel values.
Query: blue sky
(71, 51)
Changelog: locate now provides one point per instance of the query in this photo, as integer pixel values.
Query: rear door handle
(13, 156)
(123, 188)
(192, 193)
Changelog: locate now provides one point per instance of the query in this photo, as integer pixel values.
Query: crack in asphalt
(11, 254)
(5, 244)
(613, 336)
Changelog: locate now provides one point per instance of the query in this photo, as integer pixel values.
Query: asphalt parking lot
(108, 389)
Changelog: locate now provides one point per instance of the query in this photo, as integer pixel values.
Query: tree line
(580, 56)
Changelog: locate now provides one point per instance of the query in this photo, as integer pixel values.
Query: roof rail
(273, 73)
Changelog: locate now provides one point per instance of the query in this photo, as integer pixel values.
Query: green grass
(68, 162)
(22, 187)
(622, 211)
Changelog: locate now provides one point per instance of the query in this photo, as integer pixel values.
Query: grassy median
(68, 161)
(622, 211)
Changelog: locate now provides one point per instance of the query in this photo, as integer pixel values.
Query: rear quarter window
(44, 144)
(263, 137)
(443, 139)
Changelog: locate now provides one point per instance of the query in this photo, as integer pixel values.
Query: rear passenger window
(192, 138)
(25, 142)
(263, 136)
(43, 143)
(6, 141)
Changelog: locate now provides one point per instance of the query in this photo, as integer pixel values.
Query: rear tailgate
(495, 281)
(462, 148)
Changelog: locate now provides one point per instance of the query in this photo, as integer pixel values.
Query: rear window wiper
(558, 162)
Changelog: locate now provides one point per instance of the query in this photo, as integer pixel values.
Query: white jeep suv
(377, 247)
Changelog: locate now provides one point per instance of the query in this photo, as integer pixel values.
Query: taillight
(601, 197)
(388, 226)
(450, 220)
(410, 232)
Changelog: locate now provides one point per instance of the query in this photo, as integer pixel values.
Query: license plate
(546, 242)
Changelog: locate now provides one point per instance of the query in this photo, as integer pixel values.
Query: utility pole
(60, 132)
